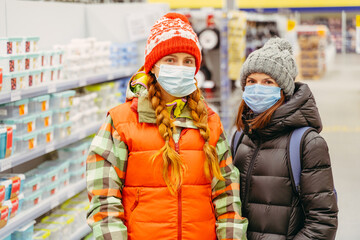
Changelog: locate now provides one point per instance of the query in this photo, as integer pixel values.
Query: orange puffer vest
(151, 212)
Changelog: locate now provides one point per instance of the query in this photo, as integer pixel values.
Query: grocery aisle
(338, 98)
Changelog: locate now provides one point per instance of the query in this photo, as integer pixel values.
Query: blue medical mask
(178, 81)
(260, 98)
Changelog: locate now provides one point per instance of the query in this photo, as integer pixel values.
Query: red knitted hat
(171, 34)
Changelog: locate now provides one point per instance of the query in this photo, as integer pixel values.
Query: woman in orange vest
(160, 166)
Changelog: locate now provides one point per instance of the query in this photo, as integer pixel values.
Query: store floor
(338, 97)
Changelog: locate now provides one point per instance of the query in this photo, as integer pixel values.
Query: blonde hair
(173, 167)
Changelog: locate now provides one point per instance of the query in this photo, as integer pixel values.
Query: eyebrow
(268, 78)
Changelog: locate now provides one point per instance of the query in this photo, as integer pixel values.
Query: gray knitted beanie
(275, 59)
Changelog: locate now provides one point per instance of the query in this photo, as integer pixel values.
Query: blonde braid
(200, 118)
(173, 167)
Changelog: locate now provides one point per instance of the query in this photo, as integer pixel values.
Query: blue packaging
(3, 134)
(24, 233)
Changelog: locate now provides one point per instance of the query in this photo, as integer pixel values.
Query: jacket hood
(299, 111)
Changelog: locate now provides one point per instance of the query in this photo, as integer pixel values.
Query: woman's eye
(250, 81)
(188, 61)
(169, 60)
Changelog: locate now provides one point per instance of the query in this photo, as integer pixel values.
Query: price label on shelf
(51, 88)
(16, 95)
(82, 82)
(50, 148)
(5, 164)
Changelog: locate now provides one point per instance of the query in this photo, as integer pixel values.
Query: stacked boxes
(22, 66)
(11, 196)
(33, 122)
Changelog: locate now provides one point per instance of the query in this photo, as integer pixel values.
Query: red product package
(2, 193)
(9, 141)
(15, 189)
(15, 206)
(1, 78)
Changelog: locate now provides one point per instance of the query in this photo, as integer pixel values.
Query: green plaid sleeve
(226, 197)
(105, 176)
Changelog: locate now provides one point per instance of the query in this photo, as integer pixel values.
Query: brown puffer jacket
(272, 206)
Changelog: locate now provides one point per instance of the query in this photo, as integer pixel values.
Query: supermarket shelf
(81, 232)
(43, 207)
(65, 85)
(18, 159)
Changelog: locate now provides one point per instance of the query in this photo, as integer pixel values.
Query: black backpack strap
(235, 142)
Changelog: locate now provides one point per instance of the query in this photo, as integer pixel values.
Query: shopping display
(56, 91)
(23, 66)
(313, 42)
(63, 221)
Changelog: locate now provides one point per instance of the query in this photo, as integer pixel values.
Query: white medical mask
(260, 98)
(178, 81)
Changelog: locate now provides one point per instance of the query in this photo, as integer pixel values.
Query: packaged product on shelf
(45, 75)
(45, 58)
(62, 99)
(51, 58)
(49, 172)
(64, 181)
(52, 74)
(24, 232)
(50, 190)
(25, 142)
(7, 64)
(24, 124)
(63, 130)
(34, 61)
(59, 73)
(5, 82)
(10, 140)
(30, 79)
(44, 119)
(55, 230)
(4, 215)
(36, 77)
(5, 190)
(63, 220)
(14, 109)
(78, 175)
(31, 44)
(16, 186)
(3, 133)
(41, 234)
(61, 115)
(15, 205)
(46, 135)
(77, 164)
(6, 46)
(22, 79)
(75, 151)
(32, 200)
(19, 62)
(32, 182)
(39, 104)
(58, 57)
(18, 45)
